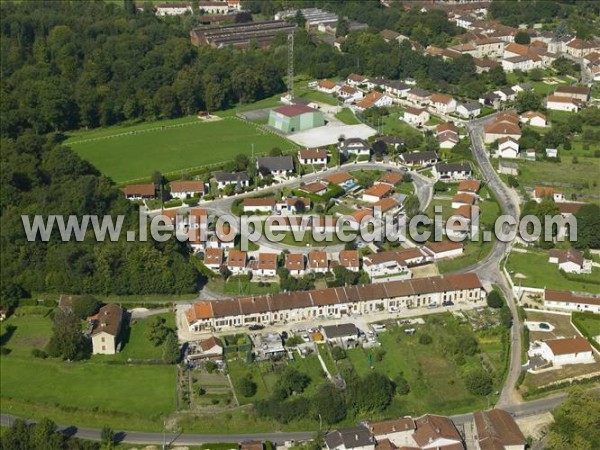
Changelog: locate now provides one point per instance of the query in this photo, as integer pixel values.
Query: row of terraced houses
(334, 302)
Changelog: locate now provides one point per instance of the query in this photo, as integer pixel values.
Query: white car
(393, 309)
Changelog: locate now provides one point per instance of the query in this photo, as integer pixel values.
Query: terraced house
(335, 302)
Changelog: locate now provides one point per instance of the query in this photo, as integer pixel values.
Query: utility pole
(291, 66)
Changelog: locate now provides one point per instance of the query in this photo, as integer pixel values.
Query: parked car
(393, 309)
(448, 303)
(255, 327)
(305, 338)
(433, 305)
(544, 326)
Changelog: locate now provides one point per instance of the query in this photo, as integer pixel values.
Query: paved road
(489, 268)
(134, 437)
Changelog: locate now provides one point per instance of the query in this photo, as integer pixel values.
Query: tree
(291, 381)
(513, 182)
(478, 382)
(171, 351)
(210, 366)
(371, 394)
(494, 300)
(329, 403)
(588, 227)
(275, 151)
(338, 353)
(412, 206)
(300, 19)
(157, 178)
(157, 330)
(343, 27)
(527, 101)
(402, 386)
(522, 38)
(497, 76)
(575, 422)
(85, 306)
(67, 341)
(247, 386)
(107, 436)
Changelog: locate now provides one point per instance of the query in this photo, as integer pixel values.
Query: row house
(338, 302)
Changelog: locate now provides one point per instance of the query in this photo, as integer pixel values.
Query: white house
(350, 94)
(541, 193)
(239, 179)
(422, 159)
(398, 431)
(562, 352)
(443, 104)
(214, 7)
(213, 258)
(295, 263)
(416, 116)
(565, 300)
(355, 146)
(436, 432)
(268, 204)
(314, 156)
(278, 166)
(173, 9)
(187, 189)
(534, 118)
(448, 139)
(356, 80)
(318, 262)
(139, 191)
(207, 349)
(376, 192)
(327, 86)
(496, 429)
(265, 265)
(106, 329)
(236, 261)
(374, 100)
(443, 249)
(357, 438)
(570, 260)
(468, 110)
(508, 148)
(558, 103)
(386, 266)
(452, 171)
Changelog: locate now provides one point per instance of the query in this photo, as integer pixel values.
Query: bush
(247, 386)
(425, 339)
(37, 353)
(338, 353)
(494, 300)
(210, 366)
(402, 386)
(478, 382)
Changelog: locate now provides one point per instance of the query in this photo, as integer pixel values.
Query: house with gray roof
(278, 166)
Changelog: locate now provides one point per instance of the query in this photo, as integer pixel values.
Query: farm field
(532, 269)
(168, 148)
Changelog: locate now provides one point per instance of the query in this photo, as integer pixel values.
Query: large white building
(569, 301)
(561, 352)
(337, 302)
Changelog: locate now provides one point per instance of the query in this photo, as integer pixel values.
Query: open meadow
(133, 153)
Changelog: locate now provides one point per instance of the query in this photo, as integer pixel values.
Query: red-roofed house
(350, 260)
(376, 192)
(187, 189)
(315, 156)
(416, 116)
(318, 262)
(374, 100)
(294, 262)
(443, 104)
(561, 352)
(570, 260)
(327, 86)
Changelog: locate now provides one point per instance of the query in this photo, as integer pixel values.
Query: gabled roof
(313, 153)
(187, 186)
(213, 256)
(108, 320)
(318, 260)
(209, 343)
(338, 178)
(441, 98)
(469, 186)
(227, 177)
(444, 246)
(496, 430)
(385, 204)
(142, 190)
(569, 297)
(378, 190)
(294, 110)
(370, 100)
(415, 111)
(327, 84)
(568, 346)
(567, 255)
(276, 163)
(349, 258)
(294, 261)
(313, 188)
(431, 428)
(267, 261)
(236, 258)
(258, 202)
(419, 156)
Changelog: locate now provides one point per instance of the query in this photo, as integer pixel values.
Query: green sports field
(130, 153)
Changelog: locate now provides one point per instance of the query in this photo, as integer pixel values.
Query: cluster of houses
(286, 307)
(208, 7)
(491, 429)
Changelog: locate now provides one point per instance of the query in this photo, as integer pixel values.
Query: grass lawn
(89, 392)
(567, 177)
(326, 355)
(136, 345)
(539, 273)
(590, 323)
(347, 116)
(321, 97)
(307, 240)
(241, 286)
(474, 252)
(23, 334)
(171, 149)
(435, 382)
